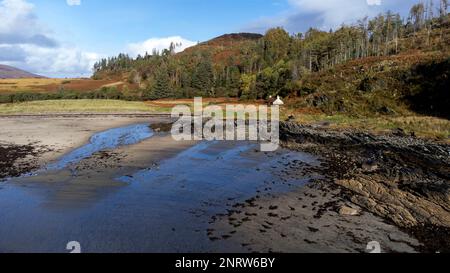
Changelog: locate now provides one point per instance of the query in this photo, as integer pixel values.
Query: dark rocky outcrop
(403, 179)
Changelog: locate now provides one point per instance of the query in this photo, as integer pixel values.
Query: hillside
(381, 66)
(223, 50)
(413, 81)
(9, 72)
(233, 38)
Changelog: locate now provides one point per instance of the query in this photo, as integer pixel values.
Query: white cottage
(278, 101)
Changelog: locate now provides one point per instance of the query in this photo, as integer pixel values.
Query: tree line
(276, 63)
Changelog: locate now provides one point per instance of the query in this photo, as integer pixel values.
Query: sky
(64, 38)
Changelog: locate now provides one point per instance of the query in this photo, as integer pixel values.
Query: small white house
(278, 101)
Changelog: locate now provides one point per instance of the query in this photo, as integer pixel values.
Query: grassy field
(77, 106)
(103, 106)
(8, 86)
(20, 85)
(80, 106)
(421, 126)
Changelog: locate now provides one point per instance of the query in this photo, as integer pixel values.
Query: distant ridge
(233, 37)
(224, 46)
(9, 72)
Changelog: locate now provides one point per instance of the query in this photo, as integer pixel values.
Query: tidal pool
(106, 140)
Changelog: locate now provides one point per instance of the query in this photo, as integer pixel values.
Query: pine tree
(276, 45)
(161, 87)
(203, 78)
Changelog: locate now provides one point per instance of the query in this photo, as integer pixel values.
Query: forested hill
(251, 66)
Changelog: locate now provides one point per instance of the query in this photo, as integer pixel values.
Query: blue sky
(108, 25)
(62, 38)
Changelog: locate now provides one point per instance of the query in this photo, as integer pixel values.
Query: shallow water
(221, 168)
(166, 208)
(109, 139)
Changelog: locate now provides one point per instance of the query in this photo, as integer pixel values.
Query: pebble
(347, 211)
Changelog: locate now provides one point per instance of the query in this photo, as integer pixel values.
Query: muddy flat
(131, 189)
(118, 184)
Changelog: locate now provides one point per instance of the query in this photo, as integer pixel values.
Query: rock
(347, 211)
(370, 166)
(399, 237)
(386, 110)
(324, 124)
(319, 100)
(291, 118)
(399, 132)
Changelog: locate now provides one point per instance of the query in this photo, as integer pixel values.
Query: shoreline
(48, 137)
(84, 115)
(393, 189)
(357, 199)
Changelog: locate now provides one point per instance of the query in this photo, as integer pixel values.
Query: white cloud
(28, 44)
(323, 14)
(373, 2)
(73, 2)
(332, 13)
(20, 25)
(159, 44)
(65, 61)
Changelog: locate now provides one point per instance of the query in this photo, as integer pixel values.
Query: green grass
(78, 106)
(421, 126)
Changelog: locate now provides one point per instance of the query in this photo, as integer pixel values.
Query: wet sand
(307, 220)
(158, 195)
(60, 135)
